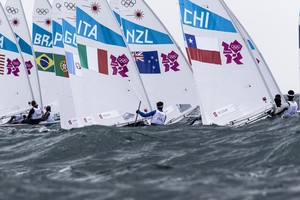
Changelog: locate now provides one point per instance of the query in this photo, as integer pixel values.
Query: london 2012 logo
(232, 52)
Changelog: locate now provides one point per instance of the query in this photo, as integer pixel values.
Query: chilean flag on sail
(203, 49)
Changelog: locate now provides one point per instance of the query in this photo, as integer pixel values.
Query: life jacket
(37, 113)
(50, 118)
(292, 109)
(158, 118)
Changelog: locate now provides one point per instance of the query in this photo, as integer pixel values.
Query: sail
(233, 89)
(65, 99)
(15, 87)
(165, 72)
(16, 16)
(111, 80)
(42, 46)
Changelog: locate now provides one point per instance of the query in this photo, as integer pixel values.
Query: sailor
(158, 116)
(279, 106)
(17, 119)
(291, 110)
(35, 114)
(48, 116)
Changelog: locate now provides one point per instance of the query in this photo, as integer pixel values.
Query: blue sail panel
(88, 27)
(24, 46)
(137, 34)
(41, 37)
(69, 33)
(57, 34)
(199, 17)
(7, 44)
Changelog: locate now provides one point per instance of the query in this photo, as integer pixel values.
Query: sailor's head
(48, 108)
(291, 94)
(33, 103)
(160, 105)
(277, 101)
(277, 96)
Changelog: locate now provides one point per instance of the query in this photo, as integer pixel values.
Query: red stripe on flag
(102, 61)
(189, 57)
(206, 56)
(66, 74)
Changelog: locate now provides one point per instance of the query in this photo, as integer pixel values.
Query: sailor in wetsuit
(158, 116)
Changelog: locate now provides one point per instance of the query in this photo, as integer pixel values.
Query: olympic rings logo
(12, 10)
(78, 66)
(70, 6)
(235, 47)
(123, 60)
(42, 11)
(128, 3)
(173, 57)
(58, 6)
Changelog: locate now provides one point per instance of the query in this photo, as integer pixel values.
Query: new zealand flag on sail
(147, 62)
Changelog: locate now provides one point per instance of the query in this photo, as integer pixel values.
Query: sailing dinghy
(16, 89)
(111, 80)
(165, 72)
(233, 79)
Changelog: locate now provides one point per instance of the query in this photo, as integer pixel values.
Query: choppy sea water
(258, 161)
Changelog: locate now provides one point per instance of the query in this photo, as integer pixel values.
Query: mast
(238, 26)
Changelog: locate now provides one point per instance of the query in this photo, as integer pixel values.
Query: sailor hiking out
(158, 116)
(35, 114)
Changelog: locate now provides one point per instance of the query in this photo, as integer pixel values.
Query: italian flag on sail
(97, 61)
(60, 65)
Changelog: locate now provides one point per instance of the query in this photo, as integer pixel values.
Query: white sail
(79, 95)
(16, 91)
(110, 77)
(233, 89)
(165, 72)
(42, 45)
(16, 16)
(65, 99)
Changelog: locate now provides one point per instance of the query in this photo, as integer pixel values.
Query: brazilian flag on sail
(44, 61)
(61, 68)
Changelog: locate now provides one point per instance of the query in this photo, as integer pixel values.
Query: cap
(278, 96)
(48, 108)
(33, 103)
(291, 93)
(160, 104)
